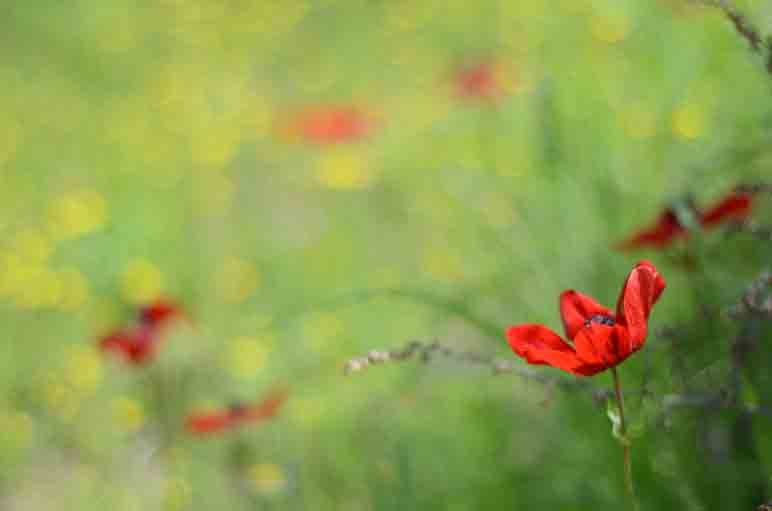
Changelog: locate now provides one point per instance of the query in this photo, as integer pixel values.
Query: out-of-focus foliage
(158, 149)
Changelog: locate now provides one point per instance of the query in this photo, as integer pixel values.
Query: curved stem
(625, 441)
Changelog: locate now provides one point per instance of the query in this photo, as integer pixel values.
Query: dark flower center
(601, 319)
(237, 409)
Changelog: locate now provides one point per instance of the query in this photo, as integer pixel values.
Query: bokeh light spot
(216, 147)
(247, 355)
(236, 280)
(267, 478)
(77, 214)
(689, 122)
(343, 169)
(127, 413)
(84, 370)
(38, 286)
(61, 400)
(141, 281)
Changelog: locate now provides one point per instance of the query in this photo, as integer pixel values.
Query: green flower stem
(625, 441)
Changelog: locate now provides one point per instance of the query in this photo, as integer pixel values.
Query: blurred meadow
(309, 181)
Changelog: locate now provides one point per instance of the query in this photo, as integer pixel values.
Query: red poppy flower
(734, 206)
(479, 81)
(236, 415)
(330, 125)
(664, 231)
(476, 81)
(136, 345)
(159, 313)
(598, 338)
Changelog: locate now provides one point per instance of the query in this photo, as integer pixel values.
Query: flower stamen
(599, 318)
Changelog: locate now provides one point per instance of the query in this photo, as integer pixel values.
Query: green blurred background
(144, 153)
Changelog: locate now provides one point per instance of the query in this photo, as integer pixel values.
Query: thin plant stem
(625, 440)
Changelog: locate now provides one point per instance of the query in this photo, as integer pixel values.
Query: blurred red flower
(204, 423)
(159, 313)
(137, 343)
(597, 337)
(479, 81)
(736, 206)
(329, 124)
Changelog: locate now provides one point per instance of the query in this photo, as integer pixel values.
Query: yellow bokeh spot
(32, 246)
(75, 289)
(610, 30)
(247, 355)
(84, 370)
(17, 427)
(216, 148)
(689, 122)
(441, 265)
(37, 286)
(638, 122)
(62, 400)
(320, 328)
(343, 169)
(177, 494)
(236, 280)
(267, 478)
(128, 413)
(141, 281)
(77, 214)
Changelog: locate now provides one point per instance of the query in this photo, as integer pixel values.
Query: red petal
(576, 308)
(662, 233)
(539, 345)
(477, 82)
(333, 124)
(136, 346)
(639, 294)
(208, 423)
(159, 312)
(269, 406)
(114, 341)
(734, 206)
(602, 346)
